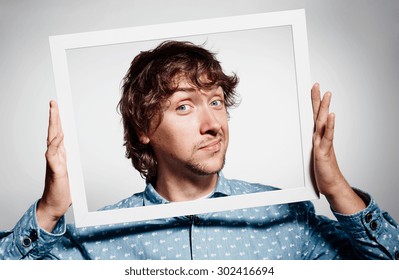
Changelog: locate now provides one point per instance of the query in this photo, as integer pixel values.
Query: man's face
(193, 135)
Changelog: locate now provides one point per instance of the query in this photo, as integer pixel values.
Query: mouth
(212, 146)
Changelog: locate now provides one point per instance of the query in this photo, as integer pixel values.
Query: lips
(212, 146)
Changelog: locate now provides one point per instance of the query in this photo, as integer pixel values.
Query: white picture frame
(302, 123)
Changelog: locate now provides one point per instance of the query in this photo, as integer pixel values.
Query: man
(174, 106)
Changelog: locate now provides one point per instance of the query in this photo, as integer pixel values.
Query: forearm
(345, 200)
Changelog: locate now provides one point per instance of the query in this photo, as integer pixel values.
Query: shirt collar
(151, 196)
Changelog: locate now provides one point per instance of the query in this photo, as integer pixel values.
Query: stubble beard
(202, 169)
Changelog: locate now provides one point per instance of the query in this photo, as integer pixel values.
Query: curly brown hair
(151, 79)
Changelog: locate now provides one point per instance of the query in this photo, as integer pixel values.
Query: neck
(176, 187)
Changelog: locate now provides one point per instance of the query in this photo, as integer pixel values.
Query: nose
(209, 121)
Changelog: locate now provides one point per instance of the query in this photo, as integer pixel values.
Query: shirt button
(373, 225)
(33, 235)
(26, 242)
(397, 255)
(196, 220)
(369, 216)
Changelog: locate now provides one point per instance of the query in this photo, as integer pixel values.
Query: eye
(216, 103)
(183, 108)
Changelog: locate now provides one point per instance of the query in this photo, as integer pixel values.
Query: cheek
(173, 137)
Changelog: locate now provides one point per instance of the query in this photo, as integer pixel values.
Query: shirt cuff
(365, 223)
(33, 240)
(372, 226)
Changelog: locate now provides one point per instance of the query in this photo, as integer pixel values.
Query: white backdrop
(265, 139)
(353, 53)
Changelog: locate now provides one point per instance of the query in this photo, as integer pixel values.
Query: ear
(144, 139)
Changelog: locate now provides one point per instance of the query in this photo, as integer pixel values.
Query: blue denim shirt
(286, 231)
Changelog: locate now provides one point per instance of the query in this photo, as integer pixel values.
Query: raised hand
(328, 176)
(56, 197)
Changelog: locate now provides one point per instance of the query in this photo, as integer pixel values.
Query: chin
(213, 167)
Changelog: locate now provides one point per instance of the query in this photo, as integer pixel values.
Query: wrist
(47, 218)
(346, 201)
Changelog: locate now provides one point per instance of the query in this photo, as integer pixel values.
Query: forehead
(183, 84)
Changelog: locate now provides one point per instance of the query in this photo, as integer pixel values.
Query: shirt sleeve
(367, 234)
(27, 240)
(374, 233)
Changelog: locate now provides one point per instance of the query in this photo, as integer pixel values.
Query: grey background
(353, 52)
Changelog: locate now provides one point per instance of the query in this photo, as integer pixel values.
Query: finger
(322, 115)
(53, 126)
(315, 93)
(59, 120)
(328, 137)
(55, 144)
